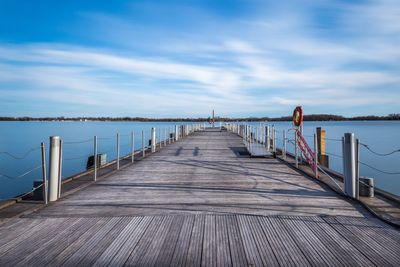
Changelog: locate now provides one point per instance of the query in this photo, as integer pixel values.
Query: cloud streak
(257, 65)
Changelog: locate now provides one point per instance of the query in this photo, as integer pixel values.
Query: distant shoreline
(312, 117)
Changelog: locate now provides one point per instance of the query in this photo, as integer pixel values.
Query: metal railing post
(296, 149)
(143, 148)
(159, 137)
(274, 144)
(315, 156)
(165, 136)
(95, 158)
(60, 168)
(44, 174)
(284, 144)
(133, 147)
(117, 151)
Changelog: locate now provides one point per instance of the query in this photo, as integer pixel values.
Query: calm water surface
(20, 137)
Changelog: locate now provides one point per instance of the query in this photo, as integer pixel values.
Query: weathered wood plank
(90, 251)
(183, 242)
(357, 242)
(108, 255)
(194, 256)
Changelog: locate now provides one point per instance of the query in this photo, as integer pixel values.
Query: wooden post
(321, 143)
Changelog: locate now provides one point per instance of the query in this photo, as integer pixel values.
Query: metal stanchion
(143, 148)
(117, 151)
(133, 147)
(95, 158)
(315, 156)
(44, 175)
(60, 169)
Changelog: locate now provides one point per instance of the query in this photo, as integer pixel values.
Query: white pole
(54, 167)
(153, 140)
(117, 151)
(176, 133)
(268, 139)
(95, 158)
(274, 139)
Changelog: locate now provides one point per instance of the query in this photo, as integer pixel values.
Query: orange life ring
(298, 116)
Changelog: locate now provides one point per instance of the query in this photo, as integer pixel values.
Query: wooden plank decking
(197, 203)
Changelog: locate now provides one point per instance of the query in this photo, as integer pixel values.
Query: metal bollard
(350, 165)
(54, 168)
(153, 140)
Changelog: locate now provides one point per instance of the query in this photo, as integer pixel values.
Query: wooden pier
(200, 202)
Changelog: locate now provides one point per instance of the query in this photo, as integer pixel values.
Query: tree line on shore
(311, 117)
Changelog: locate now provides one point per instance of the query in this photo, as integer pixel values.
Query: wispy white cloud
(256, 64)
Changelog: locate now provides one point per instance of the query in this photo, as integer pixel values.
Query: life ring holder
(298, 116)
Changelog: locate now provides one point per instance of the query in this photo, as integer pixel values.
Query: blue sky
(184, 58)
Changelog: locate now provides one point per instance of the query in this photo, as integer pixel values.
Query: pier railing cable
(367, 165)
(78, 142)
(30, 192)
(333, 179)
(26, 154)
(23, 174)
(378, 153)
(379, 170)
